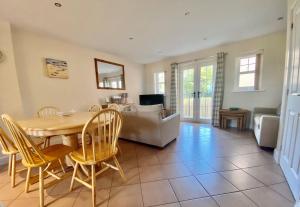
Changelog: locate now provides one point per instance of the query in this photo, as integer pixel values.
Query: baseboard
(276, 156)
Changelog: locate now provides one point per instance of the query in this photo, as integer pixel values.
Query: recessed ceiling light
(131, 38)
(280, 18)
(187, 13)
(57, 4)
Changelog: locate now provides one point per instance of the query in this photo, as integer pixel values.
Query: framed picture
(57, 68)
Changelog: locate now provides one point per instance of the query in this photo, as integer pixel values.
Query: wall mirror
(109, 75)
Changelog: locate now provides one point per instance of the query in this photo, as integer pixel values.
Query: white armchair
(266, 124)
(145, 124)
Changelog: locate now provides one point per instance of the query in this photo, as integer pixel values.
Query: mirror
(109, 75)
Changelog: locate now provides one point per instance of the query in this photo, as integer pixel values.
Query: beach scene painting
(57, 68)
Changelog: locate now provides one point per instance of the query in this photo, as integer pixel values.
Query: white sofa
(266, 125)
(145, 124)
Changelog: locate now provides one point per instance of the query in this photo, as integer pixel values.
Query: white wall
(272, 71)
(10, 98)
(79, 91)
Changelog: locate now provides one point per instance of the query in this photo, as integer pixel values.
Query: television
(152, 99)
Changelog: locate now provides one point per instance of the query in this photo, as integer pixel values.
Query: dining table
(69, 126)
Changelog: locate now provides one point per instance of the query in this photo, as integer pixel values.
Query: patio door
(196, 91)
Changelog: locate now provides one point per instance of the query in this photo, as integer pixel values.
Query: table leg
(72, 141)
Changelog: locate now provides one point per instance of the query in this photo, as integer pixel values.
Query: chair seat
(103, 152)
(51, 153)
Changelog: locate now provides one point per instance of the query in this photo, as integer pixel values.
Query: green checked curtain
(219, 88)
(173, 90)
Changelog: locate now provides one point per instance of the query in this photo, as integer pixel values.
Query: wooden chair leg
(13, 170)
(74, 175)
(120, 168)
(9, 165)
(119, 149)
(27, 180)
(93, 186)
(41, 186)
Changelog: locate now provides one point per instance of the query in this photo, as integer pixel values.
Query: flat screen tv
(152, 99)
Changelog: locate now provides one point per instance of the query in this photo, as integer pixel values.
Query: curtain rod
(197, 59)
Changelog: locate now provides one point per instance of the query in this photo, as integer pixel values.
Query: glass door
(196, 91)
(205, 92)
(188, 95)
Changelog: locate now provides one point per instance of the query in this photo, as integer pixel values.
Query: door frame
(196, 65)
(286, 87)
(286, 80)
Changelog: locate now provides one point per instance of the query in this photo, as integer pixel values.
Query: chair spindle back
(6, 143)
(28, 150)
(103, 129)
(47, 111)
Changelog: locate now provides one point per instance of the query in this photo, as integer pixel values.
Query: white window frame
(157, 83)
(257, 72)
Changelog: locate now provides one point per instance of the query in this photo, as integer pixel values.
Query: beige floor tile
(5, 203)
(265, 197)
(203, 202)
(284, 190)
(221, 164)
(61, 200)
(168, 158)
(199, 167)
(64, 187)
(128, 164)
(241, 180)
(144, 150)
(8, 193)
(215, 184)
(251, 160)
(132, 176)
(170, 205)
(148, 160)
(175, 171)
(237, 199)
(187, 188)
(84, 198)
(126, 196)
(151, 173)
(265, 175)
(32, 202)
(157, 193)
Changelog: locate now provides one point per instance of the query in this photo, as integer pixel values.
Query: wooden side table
(239, 115)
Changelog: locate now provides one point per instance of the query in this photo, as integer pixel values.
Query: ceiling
(160, 28)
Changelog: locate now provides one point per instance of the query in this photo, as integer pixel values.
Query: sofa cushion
(149, 108)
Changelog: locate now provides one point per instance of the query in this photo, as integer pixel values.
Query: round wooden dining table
(69, 126)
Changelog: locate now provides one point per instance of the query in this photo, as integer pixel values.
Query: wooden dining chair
(34, 157)
(9, 148)
(116, 107)
(47, 112)
(103, 147)
(95, 108)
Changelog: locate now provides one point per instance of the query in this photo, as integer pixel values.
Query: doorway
(196, 91)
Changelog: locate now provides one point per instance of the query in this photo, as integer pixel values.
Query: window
(159, 82)
(248, 68)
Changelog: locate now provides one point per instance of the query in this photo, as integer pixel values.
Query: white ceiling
(159, 27)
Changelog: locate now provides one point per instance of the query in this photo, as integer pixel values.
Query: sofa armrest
(269, 130)
(169, 128)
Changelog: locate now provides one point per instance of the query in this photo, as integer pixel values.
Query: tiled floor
(204, 167)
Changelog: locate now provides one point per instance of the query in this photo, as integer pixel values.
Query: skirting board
(276, 156)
